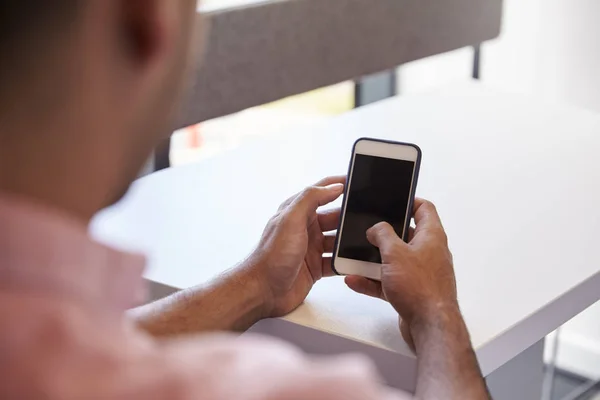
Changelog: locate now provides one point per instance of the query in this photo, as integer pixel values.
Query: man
(87, 89)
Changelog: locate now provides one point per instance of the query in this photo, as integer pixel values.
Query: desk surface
(517, 184)
(218, 5)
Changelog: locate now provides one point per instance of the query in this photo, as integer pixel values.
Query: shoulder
(54, 348)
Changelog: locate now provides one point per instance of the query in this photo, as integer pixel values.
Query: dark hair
(27, 29)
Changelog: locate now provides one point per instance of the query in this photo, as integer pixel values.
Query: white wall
(549, 49)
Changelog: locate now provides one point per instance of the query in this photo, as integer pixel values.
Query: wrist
(433, 317)
(250, 277)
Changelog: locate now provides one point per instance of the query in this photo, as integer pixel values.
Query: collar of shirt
(46, 251)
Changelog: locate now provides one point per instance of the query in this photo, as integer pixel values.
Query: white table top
(216, 5)
(517, 184)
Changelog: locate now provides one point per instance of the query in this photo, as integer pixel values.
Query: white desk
(517, 184)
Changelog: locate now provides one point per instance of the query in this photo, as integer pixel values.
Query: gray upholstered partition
(265, 51)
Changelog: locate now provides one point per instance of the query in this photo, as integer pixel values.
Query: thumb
(365, 286)
(382, 235)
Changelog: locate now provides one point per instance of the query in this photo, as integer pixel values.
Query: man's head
(87, 89)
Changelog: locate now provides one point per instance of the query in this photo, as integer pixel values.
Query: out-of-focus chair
(262, 51)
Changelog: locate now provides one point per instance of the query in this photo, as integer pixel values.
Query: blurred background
(548, 48)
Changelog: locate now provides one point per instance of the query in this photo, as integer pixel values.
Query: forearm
(231, 302)
(447, 366)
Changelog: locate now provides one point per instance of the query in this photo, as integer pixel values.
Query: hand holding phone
(417, 278)
(382, 180)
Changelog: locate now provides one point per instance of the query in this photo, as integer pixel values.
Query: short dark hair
(27, 28)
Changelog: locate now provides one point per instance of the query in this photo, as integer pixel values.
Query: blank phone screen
(379, 191)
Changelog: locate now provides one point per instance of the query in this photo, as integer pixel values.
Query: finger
(328, 242)
(411, 233)
(428, 223)
(383, 236)
(327, 269)
(407, 335)
(364, 286)
(426, 216)
(329, 220)
(331, 180)
(314, 197)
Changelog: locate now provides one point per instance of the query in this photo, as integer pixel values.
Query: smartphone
(382, 179)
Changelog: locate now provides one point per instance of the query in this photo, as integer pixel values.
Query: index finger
(307, 203)
(426, 217)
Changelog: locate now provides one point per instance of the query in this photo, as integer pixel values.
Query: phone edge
(411, 197)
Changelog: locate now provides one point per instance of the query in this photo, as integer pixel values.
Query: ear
(149, 27)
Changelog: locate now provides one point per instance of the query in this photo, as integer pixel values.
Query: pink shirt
(64, 333)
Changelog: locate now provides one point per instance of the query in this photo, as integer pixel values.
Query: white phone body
(385, 176)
